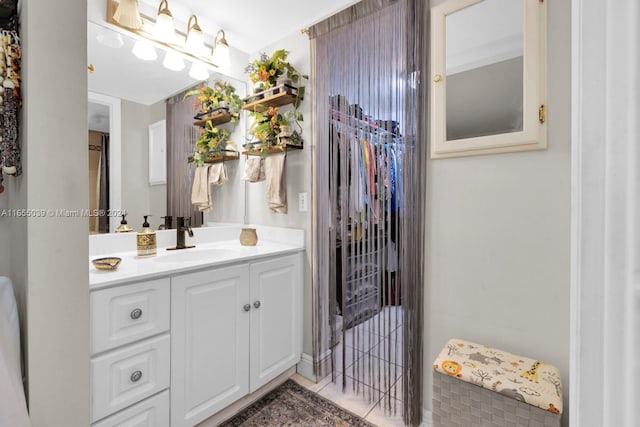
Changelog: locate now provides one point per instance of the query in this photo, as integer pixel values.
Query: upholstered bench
(475, 385)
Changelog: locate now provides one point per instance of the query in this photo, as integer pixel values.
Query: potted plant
(265, 71)
(211, 142)
(273, 128)
(210, 99)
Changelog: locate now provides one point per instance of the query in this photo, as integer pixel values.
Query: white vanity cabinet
(210, 342)
(176, 350)
(276, 318)
(233, 330)
(130, 346)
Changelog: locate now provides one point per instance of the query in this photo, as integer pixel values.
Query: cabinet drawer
(153, 412)
(129, 313)
(125, 376)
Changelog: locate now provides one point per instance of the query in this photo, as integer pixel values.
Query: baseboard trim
(427, 418)
(305, 367)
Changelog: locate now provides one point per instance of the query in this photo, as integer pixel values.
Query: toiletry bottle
(123, 227)
(146, 239)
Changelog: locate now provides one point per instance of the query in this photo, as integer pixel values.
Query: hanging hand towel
(200, 196)
(254, 169)
(276, 183)
(218, 174)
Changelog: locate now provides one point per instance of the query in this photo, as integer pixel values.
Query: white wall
(498, 231)
(49, 255)
(298, 175)
(138, 197)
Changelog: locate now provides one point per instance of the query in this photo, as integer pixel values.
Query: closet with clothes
(366, 169)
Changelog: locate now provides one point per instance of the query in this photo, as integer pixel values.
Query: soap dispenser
(123, 227)
(146, 239)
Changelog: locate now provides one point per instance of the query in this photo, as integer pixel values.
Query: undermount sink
(193, 255)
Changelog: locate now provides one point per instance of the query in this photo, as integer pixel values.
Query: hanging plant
(211, 143)
(221, 95)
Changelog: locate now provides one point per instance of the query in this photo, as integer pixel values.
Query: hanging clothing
(10, 100)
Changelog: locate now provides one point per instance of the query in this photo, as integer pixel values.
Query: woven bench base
(461, 404)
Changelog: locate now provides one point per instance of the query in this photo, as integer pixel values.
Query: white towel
(254, 169)
(200, 195)
(275, 170)
(218, 174)
(13, 408)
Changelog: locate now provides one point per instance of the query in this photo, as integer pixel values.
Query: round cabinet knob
(136, 314)
(247, 307)
(256, 304)
(437, 78)
(136, 376)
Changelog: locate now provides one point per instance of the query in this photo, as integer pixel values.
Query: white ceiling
(249, 25)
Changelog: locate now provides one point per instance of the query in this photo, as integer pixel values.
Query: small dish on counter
(106, 264)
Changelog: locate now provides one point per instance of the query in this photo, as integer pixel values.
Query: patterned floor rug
(293, 405)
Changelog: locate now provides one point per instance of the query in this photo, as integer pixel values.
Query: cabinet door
(210, 342)
(276, 323)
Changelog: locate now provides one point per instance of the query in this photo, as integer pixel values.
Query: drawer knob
(246, 307)
(256, 304)
(135, 377)
(136, 314)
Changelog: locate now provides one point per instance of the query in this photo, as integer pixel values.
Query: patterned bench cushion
(527, 380)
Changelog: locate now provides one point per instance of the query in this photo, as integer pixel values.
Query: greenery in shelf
(272, 128)
(222, 94)
(211, 142)
(265, 71)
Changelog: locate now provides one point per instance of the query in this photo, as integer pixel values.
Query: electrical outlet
(302, 202)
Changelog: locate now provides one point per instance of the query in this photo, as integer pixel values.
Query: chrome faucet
(182, 226)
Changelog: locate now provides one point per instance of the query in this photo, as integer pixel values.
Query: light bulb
(198, 71)
(221, 56)
(128, 15)
(110, 39)
(195, 39)
(144, 50)
(164, 29)
(173, 61)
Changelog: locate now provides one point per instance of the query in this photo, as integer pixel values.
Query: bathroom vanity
(178, 337)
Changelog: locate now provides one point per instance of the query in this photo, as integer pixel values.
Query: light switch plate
(302, 202)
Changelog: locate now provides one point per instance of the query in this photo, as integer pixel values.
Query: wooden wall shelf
(225, 157)
(272, 150)
(275, 97)
(217, 118)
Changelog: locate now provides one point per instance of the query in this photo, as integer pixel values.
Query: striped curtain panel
(370, 176)
(181, 136)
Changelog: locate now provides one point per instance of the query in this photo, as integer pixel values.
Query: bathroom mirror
(126, 97)
(488, 77)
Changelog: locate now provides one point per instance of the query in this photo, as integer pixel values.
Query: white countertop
(204, 255)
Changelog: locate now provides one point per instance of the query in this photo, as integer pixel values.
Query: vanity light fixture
(199, 71)
(128, 15)
(173, 61)
(161, 34)
(195, 39)
(164, 29)
(220, 53)
(144, 50)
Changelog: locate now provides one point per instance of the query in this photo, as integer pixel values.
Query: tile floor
(373, 359)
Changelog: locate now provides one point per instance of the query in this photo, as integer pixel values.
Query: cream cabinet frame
(533, 135)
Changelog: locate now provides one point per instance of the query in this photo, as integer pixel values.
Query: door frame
(115, 153)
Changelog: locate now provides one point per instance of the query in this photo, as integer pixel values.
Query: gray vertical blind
(370, 162)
